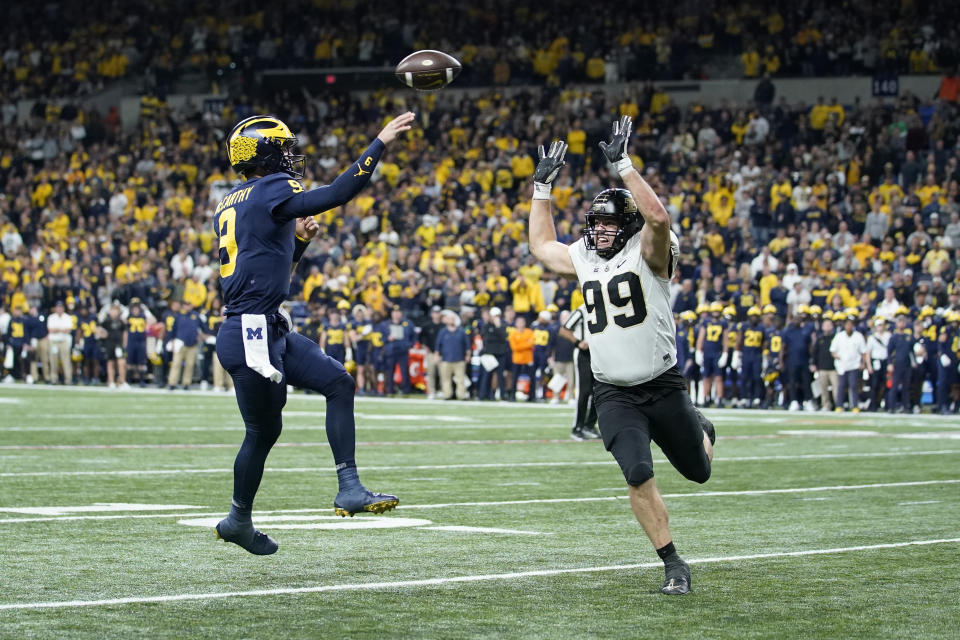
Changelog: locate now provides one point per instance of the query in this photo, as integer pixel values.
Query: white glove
(698, 358)
(944, 360)
(737, 360)
(722, 360)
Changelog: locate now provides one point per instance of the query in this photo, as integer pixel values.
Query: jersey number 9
(623, 290)
(227, 230)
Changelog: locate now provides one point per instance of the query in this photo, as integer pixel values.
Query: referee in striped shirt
(585, 422)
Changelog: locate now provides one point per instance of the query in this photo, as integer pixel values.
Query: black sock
(668, 553)
(240, 514)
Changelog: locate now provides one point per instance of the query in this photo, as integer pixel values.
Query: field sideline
(813, 524)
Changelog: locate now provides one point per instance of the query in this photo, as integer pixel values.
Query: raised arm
(554, 255)
(349, 183)
(655, 235)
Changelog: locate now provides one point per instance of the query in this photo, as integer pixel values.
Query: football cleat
(244, 535)
(352, 501)
(577, 434)
(590, 434)
(677, 581)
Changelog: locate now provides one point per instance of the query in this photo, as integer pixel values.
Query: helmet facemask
(617, 206)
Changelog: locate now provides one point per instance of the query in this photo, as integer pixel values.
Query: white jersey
(632, 333)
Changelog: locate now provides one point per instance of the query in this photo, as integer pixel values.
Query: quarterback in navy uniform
(264, 225)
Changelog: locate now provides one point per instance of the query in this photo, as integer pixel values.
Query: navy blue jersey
(256, 250)
(186, 327)
(88, 329)
(18, 332)
(753, 335)
(137, 329)
(212, 323)
(37, 327)
(544, 338)
(796, 341)
(900, 350)
(335, 333)
(774, 343)
(713, 337)
(256, 225)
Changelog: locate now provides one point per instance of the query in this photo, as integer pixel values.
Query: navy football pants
(303, 365)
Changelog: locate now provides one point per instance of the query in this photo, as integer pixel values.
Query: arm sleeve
(347, 185)
(299, 246)
(573, 320)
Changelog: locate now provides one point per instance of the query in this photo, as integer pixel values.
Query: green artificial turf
(564, 568)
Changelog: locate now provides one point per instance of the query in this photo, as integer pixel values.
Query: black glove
(616, 150)
(550, 163)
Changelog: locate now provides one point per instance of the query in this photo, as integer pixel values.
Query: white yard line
(501, 503)
(463, 529)
(233, 445)
(485, 465)
(784, 416)
(429, 582)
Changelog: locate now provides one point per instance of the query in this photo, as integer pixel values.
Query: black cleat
(577, 434)
(708, 427)
(360, 499)
(590, 434)
(244, 535)
(677, 582)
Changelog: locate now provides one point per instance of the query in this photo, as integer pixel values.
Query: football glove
(737, 360)
(616, 150)
(698, 358)
(722, 360)
(547, 169)
(944, 360)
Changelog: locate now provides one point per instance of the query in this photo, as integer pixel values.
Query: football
(428, 70)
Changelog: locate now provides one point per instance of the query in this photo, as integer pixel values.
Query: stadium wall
(795, 90)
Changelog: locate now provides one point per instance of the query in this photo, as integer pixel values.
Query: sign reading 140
(886, 85)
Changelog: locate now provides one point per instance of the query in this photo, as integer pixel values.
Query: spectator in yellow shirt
(750, 60)
(527, 297)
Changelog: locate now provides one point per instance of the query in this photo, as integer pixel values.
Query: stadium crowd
(795, 217)
(68, 49)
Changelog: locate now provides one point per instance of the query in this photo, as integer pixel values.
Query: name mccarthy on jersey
(632, 332)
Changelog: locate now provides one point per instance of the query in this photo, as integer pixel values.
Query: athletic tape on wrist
(541, 191)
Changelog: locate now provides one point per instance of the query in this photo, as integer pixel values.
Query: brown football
(428, 70)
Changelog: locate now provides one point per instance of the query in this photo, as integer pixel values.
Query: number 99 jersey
(632, 334)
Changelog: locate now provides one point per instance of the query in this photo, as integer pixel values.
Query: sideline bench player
(264, 226)
(624, 263)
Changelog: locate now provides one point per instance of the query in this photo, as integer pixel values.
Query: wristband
(623, 165)
(541, 191)
(299, 246)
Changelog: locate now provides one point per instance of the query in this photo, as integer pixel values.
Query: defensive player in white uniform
(624, 263)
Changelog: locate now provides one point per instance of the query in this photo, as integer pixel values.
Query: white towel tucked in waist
(256, 346)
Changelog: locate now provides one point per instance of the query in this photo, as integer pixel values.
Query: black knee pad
(639, 473)
(631, 448)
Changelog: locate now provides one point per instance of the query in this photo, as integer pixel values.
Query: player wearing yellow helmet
(711, 353)
(948, 346)
(748, 358)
